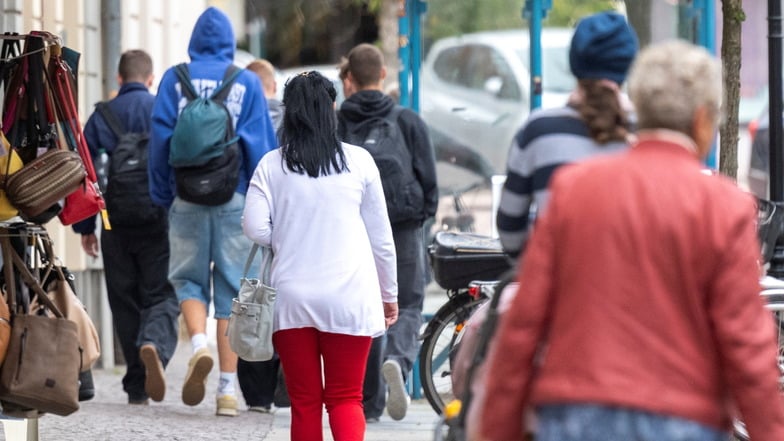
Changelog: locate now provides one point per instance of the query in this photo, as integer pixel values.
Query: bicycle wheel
(435, 354)
(774, 299)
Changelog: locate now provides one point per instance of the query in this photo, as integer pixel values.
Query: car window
(556, 75)
(509, 88)
(478, 67)
(449, 64)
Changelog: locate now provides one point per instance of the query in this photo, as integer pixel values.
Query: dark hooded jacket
(372, 103)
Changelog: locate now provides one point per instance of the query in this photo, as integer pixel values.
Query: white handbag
(250, 323)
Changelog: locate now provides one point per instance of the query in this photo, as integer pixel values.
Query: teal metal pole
(706, 36)
(708, 25)
(404, 53)
(418, 8)
(536, 53)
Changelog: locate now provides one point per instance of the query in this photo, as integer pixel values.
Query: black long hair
(308, 135)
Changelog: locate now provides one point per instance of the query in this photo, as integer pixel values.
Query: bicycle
(452, 423)
(770, 226)
(773, 292)
(468, 266)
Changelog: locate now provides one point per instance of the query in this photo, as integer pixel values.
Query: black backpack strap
(185, 81)
(394, 114)
(229, 76)
(111, 119)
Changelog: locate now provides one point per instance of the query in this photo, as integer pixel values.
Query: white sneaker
(398, 399)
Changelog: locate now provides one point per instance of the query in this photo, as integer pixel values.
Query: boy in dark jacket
(135, 258)
(366, 74)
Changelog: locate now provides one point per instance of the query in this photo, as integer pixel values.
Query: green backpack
(204, 150)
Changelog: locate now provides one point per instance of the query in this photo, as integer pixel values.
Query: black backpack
(127, 195)
(204, 150)
(382, 137)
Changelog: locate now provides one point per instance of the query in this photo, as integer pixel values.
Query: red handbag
(81, 204)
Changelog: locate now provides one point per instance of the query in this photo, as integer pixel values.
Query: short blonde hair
(265, 72)
(669, 81)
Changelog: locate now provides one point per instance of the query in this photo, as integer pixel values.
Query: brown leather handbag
(61, 293)
(44, 181)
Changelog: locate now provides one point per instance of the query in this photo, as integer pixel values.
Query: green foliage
(451, 17)
(567, 12)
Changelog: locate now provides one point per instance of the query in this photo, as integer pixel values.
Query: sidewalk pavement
(108, 417)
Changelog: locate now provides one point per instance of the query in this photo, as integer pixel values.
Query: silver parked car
(476, 93)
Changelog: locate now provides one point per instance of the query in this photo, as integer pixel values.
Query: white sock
(198, 341)
(226, 383)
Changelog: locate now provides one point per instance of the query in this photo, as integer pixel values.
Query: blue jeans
(588, 422)
(208, 252)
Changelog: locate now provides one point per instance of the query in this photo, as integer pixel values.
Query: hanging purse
(252, 312)
(59, 288)
(44, 181)
(87, 200)
(42, 365)
(50, 170)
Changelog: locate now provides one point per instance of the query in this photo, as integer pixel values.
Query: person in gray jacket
(266, 73)
(261, 382)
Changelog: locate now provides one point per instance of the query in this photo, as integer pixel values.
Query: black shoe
(86, 386)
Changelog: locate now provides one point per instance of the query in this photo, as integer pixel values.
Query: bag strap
(8, 271)
(28, 278)
(184, 76)
(36, 88)
(266, 262)
(394, 113)
(220, 94)
(111, 119)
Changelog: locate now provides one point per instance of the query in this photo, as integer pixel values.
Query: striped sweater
(549, 139)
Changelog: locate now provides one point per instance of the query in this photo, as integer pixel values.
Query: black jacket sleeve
(418, 141)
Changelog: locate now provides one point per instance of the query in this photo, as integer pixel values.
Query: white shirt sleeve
(257, 215)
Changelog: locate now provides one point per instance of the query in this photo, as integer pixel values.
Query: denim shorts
(588, 422)
(208, 252)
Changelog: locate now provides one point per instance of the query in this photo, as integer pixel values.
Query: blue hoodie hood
(212, 37)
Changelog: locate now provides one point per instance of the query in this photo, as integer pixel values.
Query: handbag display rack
(41, 123)
(42, 352)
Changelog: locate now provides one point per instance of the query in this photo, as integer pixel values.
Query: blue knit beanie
(603, 47)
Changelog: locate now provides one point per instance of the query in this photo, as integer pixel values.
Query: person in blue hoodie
(208, 248)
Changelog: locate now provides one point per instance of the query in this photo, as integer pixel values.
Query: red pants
(345, 356)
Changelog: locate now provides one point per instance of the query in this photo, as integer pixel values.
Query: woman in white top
(320, 206)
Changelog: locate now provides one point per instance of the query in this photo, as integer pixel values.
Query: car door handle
(458, 109)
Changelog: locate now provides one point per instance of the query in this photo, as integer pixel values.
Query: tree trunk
(733, 16)
(388, 36)
(639, 13)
